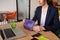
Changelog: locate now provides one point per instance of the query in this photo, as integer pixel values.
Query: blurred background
(22, 8)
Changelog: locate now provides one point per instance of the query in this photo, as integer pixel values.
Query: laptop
(11, 34)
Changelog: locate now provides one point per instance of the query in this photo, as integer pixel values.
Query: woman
(47, 16)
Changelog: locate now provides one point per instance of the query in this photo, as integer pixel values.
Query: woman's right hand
(23, 21)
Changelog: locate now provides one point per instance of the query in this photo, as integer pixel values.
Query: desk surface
(48, 34)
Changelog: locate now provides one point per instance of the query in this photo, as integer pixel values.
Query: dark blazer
(52, 19)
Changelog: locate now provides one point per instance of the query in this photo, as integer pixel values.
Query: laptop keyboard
(9, 33)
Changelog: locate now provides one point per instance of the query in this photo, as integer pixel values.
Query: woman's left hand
(42, 28)
(36, 28)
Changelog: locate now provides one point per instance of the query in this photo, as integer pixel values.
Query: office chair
(11, 16)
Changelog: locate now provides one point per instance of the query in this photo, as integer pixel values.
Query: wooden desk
(48, 35)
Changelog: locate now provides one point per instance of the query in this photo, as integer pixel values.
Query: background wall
(7, 5)
(34, 4)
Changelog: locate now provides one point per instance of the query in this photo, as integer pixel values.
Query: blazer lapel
(47, 16)
(40, 11)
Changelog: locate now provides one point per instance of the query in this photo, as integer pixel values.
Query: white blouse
(43, 16)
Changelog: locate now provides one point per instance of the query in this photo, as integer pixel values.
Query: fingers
(24, 20)
(36, 28)
(42, 28)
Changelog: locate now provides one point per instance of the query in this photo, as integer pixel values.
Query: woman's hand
(24, 20)
(36, 28)
(42, 28)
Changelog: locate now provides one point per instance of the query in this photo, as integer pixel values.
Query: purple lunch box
(29, 24)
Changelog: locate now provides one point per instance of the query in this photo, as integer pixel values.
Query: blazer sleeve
(35, 16)
(55, 22)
